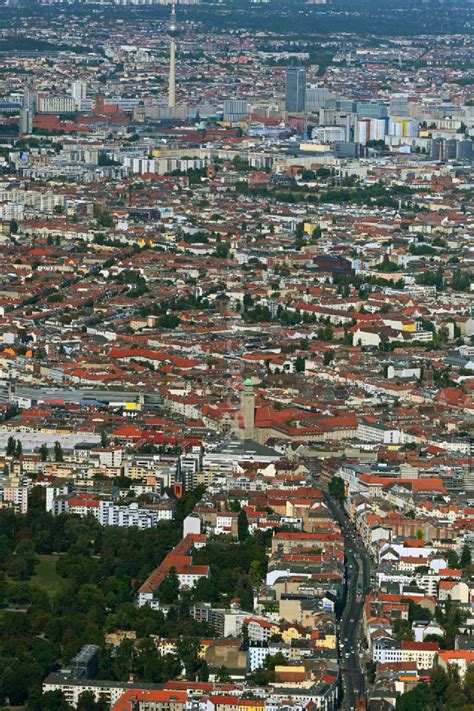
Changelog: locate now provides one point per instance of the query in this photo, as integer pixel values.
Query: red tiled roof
(130, 698)
(420, 646)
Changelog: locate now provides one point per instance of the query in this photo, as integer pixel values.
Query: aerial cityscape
(236, 355)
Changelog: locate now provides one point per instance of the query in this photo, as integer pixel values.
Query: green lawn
(45, 574)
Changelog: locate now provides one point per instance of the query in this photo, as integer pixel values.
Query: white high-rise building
(78, 92)
(235, 109)
(328, 134)
(403, 127)
(369, 129)
(26, 122)
(55, 104)
(28, 105)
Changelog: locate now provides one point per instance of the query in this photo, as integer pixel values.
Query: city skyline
(236, 356)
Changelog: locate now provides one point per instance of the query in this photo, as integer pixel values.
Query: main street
(357, 585)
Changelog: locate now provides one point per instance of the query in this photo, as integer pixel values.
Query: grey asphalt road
(358, 585)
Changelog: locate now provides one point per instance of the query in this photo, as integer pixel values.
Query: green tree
(13, 227)
(123, 660)
(11, 447)
(248, 302)
(222, 250)
(203, 671)
(402, 629)
(300, 364)
(223, 675)
(431, 279)
(242, 525)
(105, 219)
(418, 699)
(300, 235)
(453, 559)
(168, 321)
(388, 266)
(262, 677)
(43, 452)
(469, 683)
(93, 595)
(25, 549)
(454, 696)
(58, 452)
(50, 701)
(87, 702)
(441, 336)
(460, 281)
(328, 357)
(18, 449)
(371, 668)
(337, 488)
(204, 591)
(299, 231)
(326, 333)
(255, 573)
(18, 568)
(168, 591)
(466, 558)
(245, 636)
(418, 613)
(240, 164)
(439, 682)
(188, 650)
(15, 684)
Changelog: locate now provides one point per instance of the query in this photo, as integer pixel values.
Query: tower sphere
(173, 30)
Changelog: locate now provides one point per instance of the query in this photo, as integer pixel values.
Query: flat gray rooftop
(33, 440)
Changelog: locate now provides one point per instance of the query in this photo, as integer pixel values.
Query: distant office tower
(350, 118)
(371, 109)
(437, 148)
(464, 150)
(451, 149)
(78, 92)
(235, 109)
(316, 98)
(398, 105)
(295, 89)
(347, 149)
(30, 100)
(26, 122)
(28, 104)
(346, 105)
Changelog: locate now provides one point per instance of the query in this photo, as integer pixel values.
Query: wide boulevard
(357, 585)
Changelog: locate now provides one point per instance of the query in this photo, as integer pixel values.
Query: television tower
(173, 33)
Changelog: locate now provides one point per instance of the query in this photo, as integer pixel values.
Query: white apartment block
(110, 514)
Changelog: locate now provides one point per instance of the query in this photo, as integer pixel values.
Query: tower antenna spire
(172, 33)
